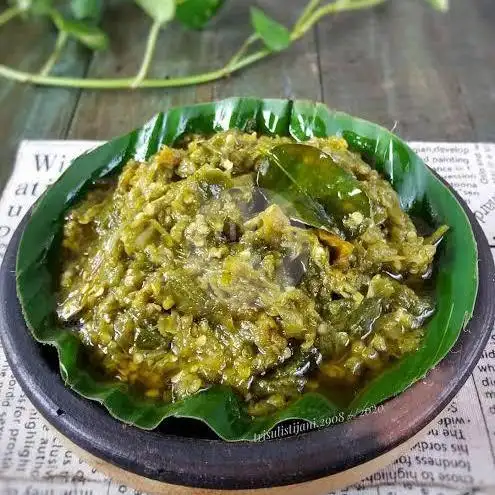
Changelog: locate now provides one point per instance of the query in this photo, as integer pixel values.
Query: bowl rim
(204, 463)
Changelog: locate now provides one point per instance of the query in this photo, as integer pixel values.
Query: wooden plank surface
(28, 111)
(104, 114)
(290, 74)
(390, 66)
(470, 53)
(107, 114)
(430, 76)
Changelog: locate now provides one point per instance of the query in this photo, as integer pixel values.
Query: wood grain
(469, 51)
(390, 67)
(350, 60)
(29, 112)
(180, 52)
(102, 114)
(429, 76)
(290, 74)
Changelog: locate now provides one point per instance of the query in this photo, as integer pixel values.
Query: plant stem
(148, 54)
(125, 83)
(9, 14)
(306, 13)
(250, 59)
(310, 16)
(333, 8)
(242, 50)
(52, 60)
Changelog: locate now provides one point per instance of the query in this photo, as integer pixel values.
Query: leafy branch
(79, 20)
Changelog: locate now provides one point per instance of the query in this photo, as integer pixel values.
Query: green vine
(81, 20)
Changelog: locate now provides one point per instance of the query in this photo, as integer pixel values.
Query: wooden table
(431, 76)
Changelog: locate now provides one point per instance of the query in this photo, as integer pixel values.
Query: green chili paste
(183, 273)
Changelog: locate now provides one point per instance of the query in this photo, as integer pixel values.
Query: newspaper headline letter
(455, 456)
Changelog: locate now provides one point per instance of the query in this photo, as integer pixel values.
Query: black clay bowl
(161, 460)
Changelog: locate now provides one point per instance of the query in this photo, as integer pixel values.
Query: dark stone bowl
(196, 458)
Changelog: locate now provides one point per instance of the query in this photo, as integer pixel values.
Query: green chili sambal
(258, 263)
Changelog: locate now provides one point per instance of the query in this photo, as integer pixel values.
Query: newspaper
(456, 456)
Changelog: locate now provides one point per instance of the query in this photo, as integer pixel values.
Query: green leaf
(421, 193)
(196, 13)
(275, 35)
(160, 11)
(87, 9)
(83, 31)
(441, 5)
(313, 188)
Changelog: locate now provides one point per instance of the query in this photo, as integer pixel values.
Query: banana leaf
(421, 193)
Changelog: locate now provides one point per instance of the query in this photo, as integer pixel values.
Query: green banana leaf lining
(422, 194)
